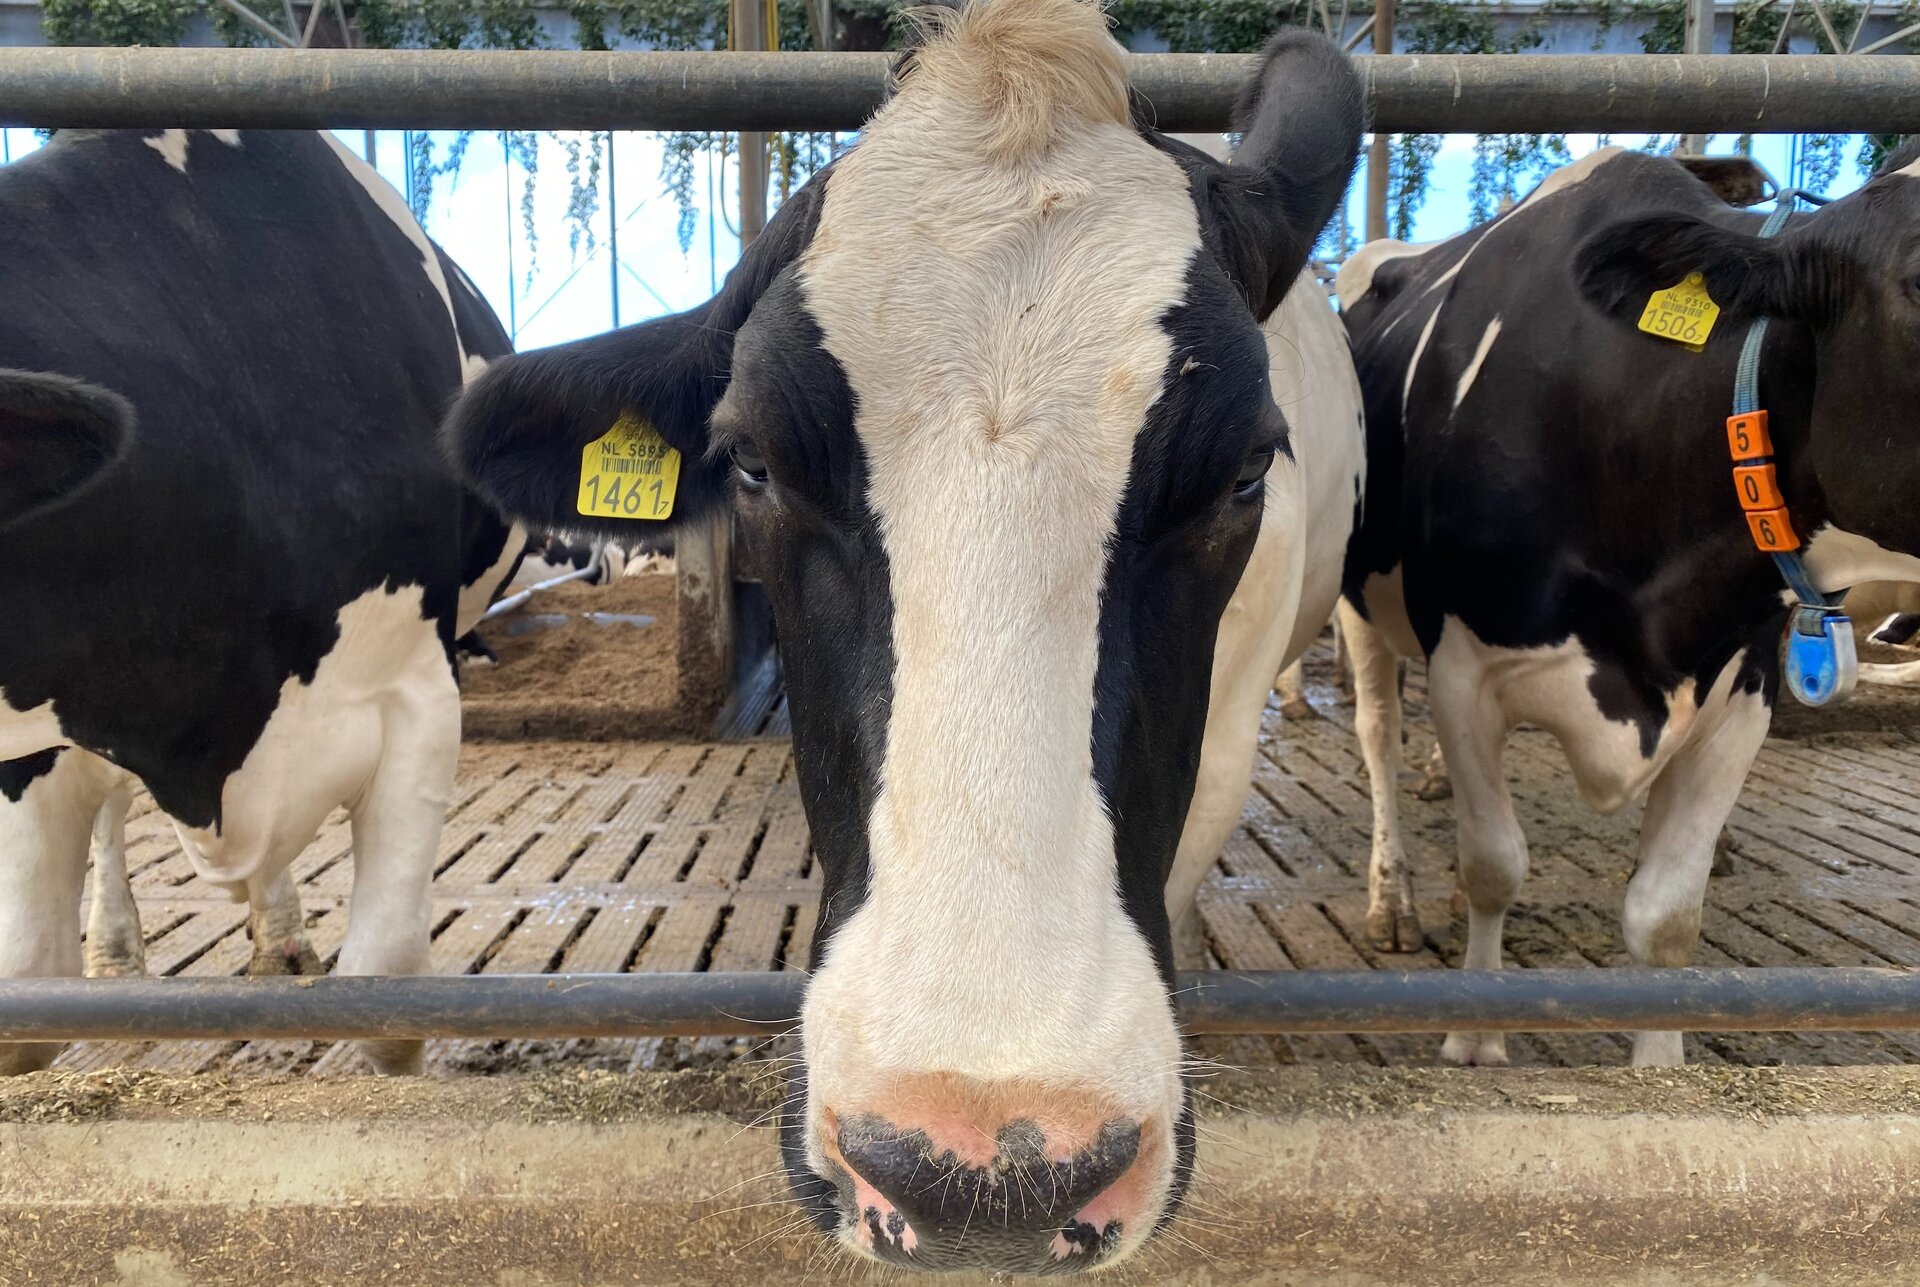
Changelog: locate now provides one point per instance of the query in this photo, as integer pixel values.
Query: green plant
(116, 22)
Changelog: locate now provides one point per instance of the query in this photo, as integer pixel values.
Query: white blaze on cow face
(997, 310)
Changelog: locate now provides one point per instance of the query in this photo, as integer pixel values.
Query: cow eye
(752, 466)
(1252, 470)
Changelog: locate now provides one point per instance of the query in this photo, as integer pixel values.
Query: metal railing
(549, 89)
(497, 1007)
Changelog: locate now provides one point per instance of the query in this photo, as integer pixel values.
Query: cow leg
(1435, 784)
(1492, 847)
(396, 834)
(1893, 674)
(1291, 685)
(45, 825)
(278, 924)
(1687, 806)
(1392, 924)
(115, 946)
(1342, 656)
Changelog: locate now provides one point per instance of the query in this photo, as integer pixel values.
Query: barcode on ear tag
(628, 472)
(1684, 314)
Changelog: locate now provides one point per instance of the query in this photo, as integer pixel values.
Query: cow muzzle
(946, 1173)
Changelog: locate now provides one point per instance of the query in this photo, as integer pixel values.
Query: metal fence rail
(552, 89)
(658, 1005)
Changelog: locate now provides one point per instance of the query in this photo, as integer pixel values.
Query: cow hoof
(21, 1057)
(1297, 708)
(1435, 786)
(287, 959)
(117, 960)
(393, 1058)
(1475, 1049)
(1722, 858)
(1394, 929)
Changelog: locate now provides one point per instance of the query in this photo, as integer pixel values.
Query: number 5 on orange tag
(1747, 436)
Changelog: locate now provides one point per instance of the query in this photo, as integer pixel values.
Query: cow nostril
(1017, 1198)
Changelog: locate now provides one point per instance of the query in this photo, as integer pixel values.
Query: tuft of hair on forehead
(1029, 67)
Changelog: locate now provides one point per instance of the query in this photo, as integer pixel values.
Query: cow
(1551, 517)
(278, 562)
(1887, 612)
(990, 402)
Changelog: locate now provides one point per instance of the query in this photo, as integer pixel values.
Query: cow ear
(57, 436)
(1618, 268)
(1301, 119)
(518, 433)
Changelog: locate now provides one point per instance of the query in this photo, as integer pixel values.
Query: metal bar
(1360, 33)
(613, 234)
(313, 22)
(656, 1005)
(512, 601)
(1826, 25)
(1192, 93)
(1380, 151)
(747, 31)
(1699, 40)
(1866, 12)
(1894, 39)
(260, 24)
(1781, 36)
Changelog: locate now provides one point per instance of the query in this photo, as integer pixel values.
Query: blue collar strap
(1821, 663)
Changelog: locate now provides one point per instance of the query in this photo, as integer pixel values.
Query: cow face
(1847, 279)
(56, 437)
(989, 400)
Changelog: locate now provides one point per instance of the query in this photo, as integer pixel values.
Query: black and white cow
(275, 568)
(992, 403)
(1552, 519)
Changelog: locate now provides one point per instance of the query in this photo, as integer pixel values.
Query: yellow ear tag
(1683, 313)
(628, 472)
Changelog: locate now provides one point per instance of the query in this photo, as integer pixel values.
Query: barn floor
(694, 856)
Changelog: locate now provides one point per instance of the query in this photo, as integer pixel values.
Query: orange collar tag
(1757, 484)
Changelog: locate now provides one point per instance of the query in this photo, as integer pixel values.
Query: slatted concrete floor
(570, 857)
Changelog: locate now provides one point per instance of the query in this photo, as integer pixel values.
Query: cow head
(989, 399)
(57, 436)
(1845, 283)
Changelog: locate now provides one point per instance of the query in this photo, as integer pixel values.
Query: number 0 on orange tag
(1684, 314)
(628, 472)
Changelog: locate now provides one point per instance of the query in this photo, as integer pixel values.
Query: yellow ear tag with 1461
(628, 472)
(1684, 314)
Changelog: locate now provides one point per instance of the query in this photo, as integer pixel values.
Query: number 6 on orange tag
(1773, 531)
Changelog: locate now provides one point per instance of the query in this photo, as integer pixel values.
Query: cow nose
(1022, 1198)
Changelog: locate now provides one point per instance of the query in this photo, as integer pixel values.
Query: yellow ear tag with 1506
(1684, 314)
(628, 472)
